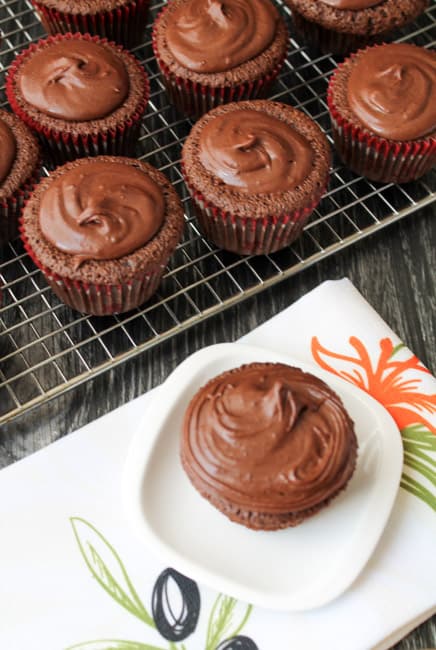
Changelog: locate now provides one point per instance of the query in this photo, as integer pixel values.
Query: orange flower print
(393, 382)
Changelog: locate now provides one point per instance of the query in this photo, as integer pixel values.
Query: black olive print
(238, 643)
(175, 627)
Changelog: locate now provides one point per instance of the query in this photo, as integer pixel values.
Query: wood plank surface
(394, 269)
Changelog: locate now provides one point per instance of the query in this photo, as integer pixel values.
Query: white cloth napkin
(72, 574)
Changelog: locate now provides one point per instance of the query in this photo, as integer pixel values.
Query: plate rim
(141, 449)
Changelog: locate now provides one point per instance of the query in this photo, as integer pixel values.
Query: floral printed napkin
(73, 576)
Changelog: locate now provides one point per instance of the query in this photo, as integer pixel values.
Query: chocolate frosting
(74, 80)
(214, 36)
(392, 90)
(353, 5)
(269, 438)
(101, 211)
(255, 152)
(8, 150)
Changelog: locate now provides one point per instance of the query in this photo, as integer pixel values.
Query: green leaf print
(419, 473)
(397, 348)
(221, 619)
(113, 644)
(106, 567)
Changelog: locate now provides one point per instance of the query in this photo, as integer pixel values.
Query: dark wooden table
(393, 269)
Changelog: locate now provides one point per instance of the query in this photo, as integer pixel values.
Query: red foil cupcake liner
(11, 207)
(104, 299)
(62, 146)
(193, 98)
(328, 41)
(100, 299)
(249, 235)
(374, 157)
(124, 25)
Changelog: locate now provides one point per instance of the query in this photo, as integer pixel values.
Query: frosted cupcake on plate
(268, 445)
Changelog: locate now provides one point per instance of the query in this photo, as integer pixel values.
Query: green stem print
(220, 621)
(419, 460)
(93, 546)
(111, 644)
(107, 568)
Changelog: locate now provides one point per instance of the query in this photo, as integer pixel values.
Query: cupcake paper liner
(249, 235)
(124, 25)
(104, 299)
(100, 299)
(193, 98)
(10, 210)
(328, 41)
(62, 146)
(11, 207)
(377, 158)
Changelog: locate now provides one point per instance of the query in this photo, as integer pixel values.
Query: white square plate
(294, 569)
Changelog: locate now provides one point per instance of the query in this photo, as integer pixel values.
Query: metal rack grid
(47, 349)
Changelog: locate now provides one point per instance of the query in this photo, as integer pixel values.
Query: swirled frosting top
(74, 80)
(8, 150)
(101, 211)
(392, 90)
(255, 152)
(217, 35)
(269, 438)
(353, 5)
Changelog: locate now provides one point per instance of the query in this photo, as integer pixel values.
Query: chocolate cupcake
(268, 445)
(102, 230)
(382, 104)
(82, 95)
(19, 167)
(341, 26)
(122, 21)
(211, 52)
(255, 171)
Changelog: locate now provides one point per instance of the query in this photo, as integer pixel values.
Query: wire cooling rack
(46, 348)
